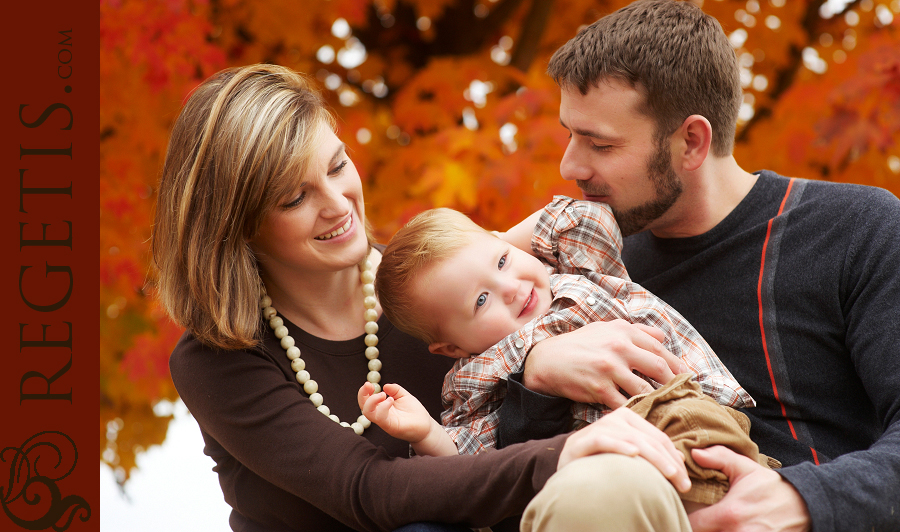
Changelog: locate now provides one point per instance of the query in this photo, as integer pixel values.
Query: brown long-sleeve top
(283, 466)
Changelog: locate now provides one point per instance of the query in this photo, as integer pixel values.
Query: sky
(174, 488)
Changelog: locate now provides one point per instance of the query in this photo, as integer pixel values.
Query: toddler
(473, 296)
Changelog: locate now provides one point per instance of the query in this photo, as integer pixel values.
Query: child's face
(484, 292)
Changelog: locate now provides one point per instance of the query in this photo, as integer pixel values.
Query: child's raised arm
(519, 235)
(402, 416)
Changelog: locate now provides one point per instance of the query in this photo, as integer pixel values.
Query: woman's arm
(279, 459)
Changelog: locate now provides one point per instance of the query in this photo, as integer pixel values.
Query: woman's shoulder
(184, 351)
(191, 357)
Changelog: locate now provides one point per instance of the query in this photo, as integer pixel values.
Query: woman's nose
(333, 202)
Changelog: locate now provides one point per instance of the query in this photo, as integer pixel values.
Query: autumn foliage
(444, 103)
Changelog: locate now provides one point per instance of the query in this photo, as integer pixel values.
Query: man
(793, 283)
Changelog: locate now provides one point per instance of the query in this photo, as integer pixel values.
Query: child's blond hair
(427, 239)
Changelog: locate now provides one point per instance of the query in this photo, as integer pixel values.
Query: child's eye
(482, 299)
(501, 263)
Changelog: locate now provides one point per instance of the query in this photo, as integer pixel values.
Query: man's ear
(448, 350)
(694, 139)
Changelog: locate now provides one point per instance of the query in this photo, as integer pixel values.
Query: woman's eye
(296, 202)
(501, 263)
(339, 168)
(482, 299)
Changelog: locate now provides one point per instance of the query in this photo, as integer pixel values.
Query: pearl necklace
(310, 386)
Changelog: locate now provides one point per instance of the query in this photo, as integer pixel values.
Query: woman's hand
(625, 432)
(595, 363)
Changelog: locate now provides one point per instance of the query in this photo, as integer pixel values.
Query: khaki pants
(616, 492)
(607, 492)
(695, 421)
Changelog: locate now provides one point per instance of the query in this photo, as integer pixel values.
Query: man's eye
(501, 263)
(482, 299)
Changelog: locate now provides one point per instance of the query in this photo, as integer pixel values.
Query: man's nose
(572, 166)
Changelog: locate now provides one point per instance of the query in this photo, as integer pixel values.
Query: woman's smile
(337, 232)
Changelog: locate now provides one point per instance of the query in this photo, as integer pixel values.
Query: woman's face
(320, 227)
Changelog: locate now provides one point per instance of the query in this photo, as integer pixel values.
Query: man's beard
(668, 189)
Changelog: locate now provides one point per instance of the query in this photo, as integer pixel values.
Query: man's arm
(861, 490)
(858, 490)
(596, 363)
(593, 364)
(527, 415)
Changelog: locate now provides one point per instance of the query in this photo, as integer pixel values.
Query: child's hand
(396, 411)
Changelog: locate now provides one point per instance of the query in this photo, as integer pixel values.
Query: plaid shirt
(580, 243)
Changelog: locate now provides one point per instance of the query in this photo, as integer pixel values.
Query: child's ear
(448, 350)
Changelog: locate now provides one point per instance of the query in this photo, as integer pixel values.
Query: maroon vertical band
(49, 266)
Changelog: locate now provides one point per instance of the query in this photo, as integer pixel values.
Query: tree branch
(530, 37)
(784, 78)
(459, 32)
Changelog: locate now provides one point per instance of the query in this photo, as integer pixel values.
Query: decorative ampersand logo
(32, 500)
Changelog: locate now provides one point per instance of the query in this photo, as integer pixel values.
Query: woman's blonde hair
(426, 240)
(240, 145)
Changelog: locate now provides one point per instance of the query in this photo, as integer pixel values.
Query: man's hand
(759, 500)
(625, 432)
(594, 364)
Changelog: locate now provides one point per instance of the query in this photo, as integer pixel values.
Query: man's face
(484, 292)
(615, 157)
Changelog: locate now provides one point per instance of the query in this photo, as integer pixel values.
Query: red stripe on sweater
(762, 327)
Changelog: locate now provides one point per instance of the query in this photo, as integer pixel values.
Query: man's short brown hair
(675, 54)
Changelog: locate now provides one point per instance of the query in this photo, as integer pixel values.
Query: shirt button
(590, 301)
(520, 343)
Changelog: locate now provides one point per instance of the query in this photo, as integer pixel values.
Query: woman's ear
(448, 350)
(694, 140)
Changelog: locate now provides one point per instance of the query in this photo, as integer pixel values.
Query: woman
(263, 256)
